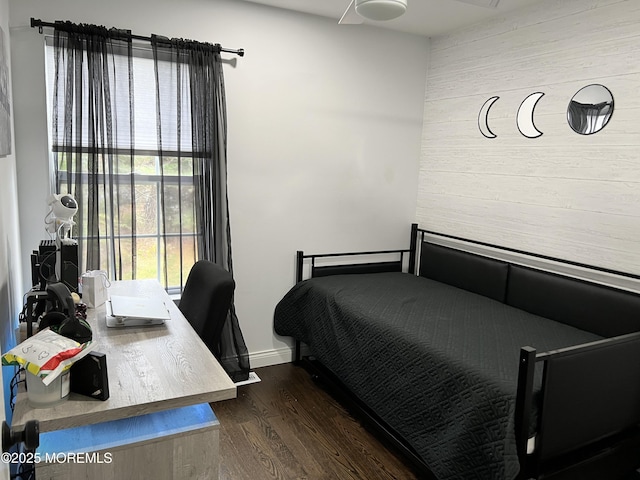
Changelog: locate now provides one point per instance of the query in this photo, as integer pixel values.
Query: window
(136, 189)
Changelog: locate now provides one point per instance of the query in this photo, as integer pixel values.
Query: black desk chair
(205, 301)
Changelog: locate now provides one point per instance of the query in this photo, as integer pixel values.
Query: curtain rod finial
(36, 23)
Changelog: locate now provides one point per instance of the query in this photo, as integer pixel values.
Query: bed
(477, 368)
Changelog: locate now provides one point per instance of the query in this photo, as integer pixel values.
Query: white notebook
(135, 311)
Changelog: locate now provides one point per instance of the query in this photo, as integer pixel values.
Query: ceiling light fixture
(381, 10)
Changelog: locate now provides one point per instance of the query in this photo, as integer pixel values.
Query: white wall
(324, 134)
(561, 194)
(10, 275)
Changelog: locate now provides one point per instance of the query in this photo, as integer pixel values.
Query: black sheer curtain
(107, 95)
(93, 140)
(201, 91)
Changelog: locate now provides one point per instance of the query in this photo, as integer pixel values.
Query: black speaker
(89, 376)
(45, 259)
(43, 264)
(69, 266)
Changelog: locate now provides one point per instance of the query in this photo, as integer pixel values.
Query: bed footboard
(590, 393)
(344, 264)
(342, 268)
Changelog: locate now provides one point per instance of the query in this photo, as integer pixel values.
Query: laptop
(135, 311)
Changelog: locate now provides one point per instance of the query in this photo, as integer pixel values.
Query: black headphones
(62, 318)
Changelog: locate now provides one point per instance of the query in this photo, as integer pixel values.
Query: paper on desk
(47, 354)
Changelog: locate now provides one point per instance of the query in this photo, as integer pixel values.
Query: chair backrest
(205, 301)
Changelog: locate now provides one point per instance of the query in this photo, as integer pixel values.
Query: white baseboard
(276, 356)
(266, 358)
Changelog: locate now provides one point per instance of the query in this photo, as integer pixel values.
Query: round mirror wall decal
(524, 119)
(590, 109)
(483, 118)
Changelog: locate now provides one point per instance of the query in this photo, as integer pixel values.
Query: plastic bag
(47, 354)
(94, 287)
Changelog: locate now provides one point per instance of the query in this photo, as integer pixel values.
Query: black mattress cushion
(588, 306)
(474, 273)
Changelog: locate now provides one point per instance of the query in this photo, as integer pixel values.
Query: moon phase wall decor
(524, 118)
(590, 109)
(483, 118)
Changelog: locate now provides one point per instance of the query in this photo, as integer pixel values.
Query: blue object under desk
(127, 431)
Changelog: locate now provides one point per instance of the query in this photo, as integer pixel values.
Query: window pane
(175, 124)
(124, 220)
(146, 165)
(123, 246)
(188, 209)
(173, 259)
(123, 164)
(179, 204)
(147, 258)
(186, 166)
(146, 209)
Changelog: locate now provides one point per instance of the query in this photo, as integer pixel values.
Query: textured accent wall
(561, 194)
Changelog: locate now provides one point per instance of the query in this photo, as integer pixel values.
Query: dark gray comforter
(437, 363)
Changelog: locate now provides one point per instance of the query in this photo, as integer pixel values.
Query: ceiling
(424, 17)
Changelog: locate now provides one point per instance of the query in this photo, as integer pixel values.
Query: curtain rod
(40, 24)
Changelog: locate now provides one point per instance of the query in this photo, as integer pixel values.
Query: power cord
(13, 387)
(25, 472)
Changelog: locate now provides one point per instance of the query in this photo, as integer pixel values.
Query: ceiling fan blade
(482, 3)
(350, 17)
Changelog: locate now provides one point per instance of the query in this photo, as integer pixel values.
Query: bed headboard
(604, 310)
(595, 308)
(475, 273)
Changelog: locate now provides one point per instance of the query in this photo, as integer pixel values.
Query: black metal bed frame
(614, 456)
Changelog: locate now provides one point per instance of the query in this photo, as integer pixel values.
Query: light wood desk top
(150, 369)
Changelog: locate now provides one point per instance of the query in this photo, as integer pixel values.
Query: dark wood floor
(287, 427)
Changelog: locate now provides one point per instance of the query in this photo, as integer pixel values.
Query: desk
(151, 370)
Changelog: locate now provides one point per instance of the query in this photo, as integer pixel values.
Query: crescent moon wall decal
(483, 118)
(525, 121)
